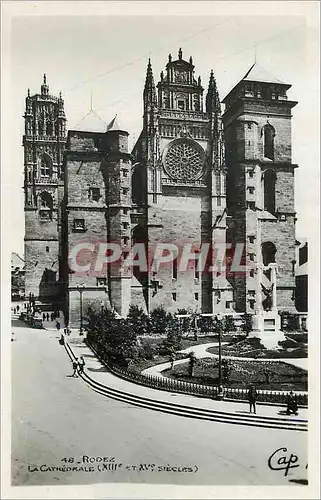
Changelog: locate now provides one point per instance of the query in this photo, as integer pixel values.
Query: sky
(98, 58)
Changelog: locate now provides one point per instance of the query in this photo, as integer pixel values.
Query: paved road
(56, 416)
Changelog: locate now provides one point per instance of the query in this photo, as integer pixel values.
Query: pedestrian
(43, 316)
(52, 316)
(252, 397)
(75, 366)
(172, 358)
(58, 326)
(291, 404)
(47, 316)
(12, 337)
(81, 365)
(18, 309)
(62, 340)
(14, 310)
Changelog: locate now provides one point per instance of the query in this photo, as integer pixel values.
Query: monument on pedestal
(266, 320)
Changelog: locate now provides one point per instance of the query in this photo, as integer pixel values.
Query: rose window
(184, 161)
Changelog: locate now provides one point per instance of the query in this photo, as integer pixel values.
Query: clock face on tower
(184, 160)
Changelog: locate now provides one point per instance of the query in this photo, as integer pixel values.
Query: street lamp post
(219, 318)
(80, 289)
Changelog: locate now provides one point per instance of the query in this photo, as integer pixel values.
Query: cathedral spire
(149, 89)
(213, 104)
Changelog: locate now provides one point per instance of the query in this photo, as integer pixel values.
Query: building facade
(44, 142)
(257, 129)
(196, 179)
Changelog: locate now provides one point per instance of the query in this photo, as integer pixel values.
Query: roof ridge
(260, 74)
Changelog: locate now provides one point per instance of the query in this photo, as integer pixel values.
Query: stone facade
(257, 124)
(179, 185)
(44, 142)
(194, 177)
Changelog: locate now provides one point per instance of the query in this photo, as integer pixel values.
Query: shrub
(159, 320)
(247, 322)
(138, 320)
(289, 321)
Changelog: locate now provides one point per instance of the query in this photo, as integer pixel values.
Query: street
(56, 417)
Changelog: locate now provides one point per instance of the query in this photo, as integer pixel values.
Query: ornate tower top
(149, 89)
(44, 86)
(213, 104)
(259, 84)
(178, 89)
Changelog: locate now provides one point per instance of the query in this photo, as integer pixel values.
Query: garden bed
(275, 376)
(143, 364)
(253, 348)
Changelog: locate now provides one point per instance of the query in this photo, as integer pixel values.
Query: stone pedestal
(267, 327)
(267, 323)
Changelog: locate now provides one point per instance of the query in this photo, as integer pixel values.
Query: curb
(190, 411)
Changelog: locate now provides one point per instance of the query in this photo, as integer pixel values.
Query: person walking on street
(18, 309)
(43, 316)
(252, 397)
(291, 404)
(75, 366)
(172, 359)
(47, 316)
(81, 365)
(58, 326)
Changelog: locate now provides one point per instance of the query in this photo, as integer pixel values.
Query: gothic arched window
(268, 140)
(45, 205)
(49, 128)
(218, 183)
(40, 127)
(268, 252)
(45, 166)
(269, 179)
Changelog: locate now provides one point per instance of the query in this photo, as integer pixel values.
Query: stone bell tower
(260, 184)
(43, 142)
(179, 187)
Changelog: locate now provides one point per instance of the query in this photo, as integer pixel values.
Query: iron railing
(207, 391)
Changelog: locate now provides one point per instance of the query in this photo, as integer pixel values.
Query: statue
(267, 302)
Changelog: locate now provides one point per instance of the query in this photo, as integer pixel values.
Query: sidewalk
(99, 373)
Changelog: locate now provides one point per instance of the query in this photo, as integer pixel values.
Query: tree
(229, 325)
(226, 369)
(115, 339)
(159, 319)
(173, 341)
(247, 323)
(138, 320)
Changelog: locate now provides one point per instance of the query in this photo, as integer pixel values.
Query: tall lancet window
(49, 128)
(218, 183)
(45, 166)
(268, 138)
(269, 179)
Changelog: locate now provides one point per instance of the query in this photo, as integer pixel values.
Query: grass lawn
(252, 348)
(276, 376)
(143, 364)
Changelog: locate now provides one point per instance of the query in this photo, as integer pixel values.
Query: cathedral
(196, 176)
